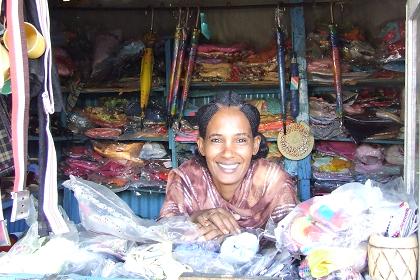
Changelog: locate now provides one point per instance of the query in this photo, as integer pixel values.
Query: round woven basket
(392, 258)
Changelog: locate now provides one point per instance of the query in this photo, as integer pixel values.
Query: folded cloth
(323, 261)
(332, 148)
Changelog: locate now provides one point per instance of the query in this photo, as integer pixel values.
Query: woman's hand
(215, 222)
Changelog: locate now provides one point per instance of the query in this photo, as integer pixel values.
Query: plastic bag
(154, 262)
(102, 211)
(203, 257)
(105, 244)
(41, 255)
(323, 261)
(339, 219)
(152, 151)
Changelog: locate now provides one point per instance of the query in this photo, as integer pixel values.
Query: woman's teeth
(229, 167)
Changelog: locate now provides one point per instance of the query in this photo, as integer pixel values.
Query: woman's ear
(200, 144)
(257, 141)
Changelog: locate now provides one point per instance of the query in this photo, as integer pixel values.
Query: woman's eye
(242, 140)
(215, 140)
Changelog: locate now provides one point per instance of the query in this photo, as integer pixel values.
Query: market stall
(116, 112)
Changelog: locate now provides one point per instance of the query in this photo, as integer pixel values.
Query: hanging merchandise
(177, 40)
(295, 140)
(146, 71)
(20, 107)
(4, 235)
(281, 60)
(178, 69)
(50, 195)
(335, 52)
(190, 67)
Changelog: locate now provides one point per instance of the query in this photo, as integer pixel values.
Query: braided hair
(206, 113)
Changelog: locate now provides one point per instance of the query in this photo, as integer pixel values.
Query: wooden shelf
(372, 141)
(270, 139)
(362, 82)
(253, 84)
(82, 138)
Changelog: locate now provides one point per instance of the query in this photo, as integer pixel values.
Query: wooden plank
(204, 276)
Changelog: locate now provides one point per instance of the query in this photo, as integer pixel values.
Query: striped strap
(20, 104)
(4, 236)
(50, 205)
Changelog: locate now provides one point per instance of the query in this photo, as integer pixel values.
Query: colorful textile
(266, 190)
(6, 155)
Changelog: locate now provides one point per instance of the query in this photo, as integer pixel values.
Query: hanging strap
(4, 235)
(20, 105)
(50, 205)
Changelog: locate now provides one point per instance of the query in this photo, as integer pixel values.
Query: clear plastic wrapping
(102, 211)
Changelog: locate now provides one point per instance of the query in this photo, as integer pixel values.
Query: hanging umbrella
(146, 71)
(281, 69)
(335, 53)
(190, 67)
(177, 39)
(178, 70)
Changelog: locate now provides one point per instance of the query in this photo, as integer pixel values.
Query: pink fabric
(266, 190)
(344, 149)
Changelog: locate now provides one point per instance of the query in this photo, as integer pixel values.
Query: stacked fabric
(186, 132)
(320, 70)
(377, 163)
(261, 66)
(235, 63)
(336, 163)
(392, 37)
(214, 63)
(332, 165)
(117, 165)
(358, 56)
(375, 114)
(323, 119)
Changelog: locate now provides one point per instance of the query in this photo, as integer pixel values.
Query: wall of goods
(124, 135)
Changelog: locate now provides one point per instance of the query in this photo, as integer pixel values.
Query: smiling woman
(229, 185)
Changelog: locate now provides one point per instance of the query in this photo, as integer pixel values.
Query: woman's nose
(228, 150)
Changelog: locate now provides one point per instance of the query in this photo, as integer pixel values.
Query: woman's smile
(228, 167)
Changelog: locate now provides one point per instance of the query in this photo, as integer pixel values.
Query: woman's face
(228, 147)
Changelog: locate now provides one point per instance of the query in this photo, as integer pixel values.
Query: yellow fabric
(324, 260)
(321, 262)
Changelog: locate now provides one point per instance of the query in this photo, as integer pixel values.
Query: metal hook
(152, 20)
(279, 13)
(197, 19)
(179, 16)
(186, 17)
(332, 12)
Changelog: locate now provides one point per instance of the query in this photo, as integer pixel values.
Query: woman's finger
(203, 220)
(229, 222)
(222, 223)
(233, 224)
(206, 229)
(212, 234)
